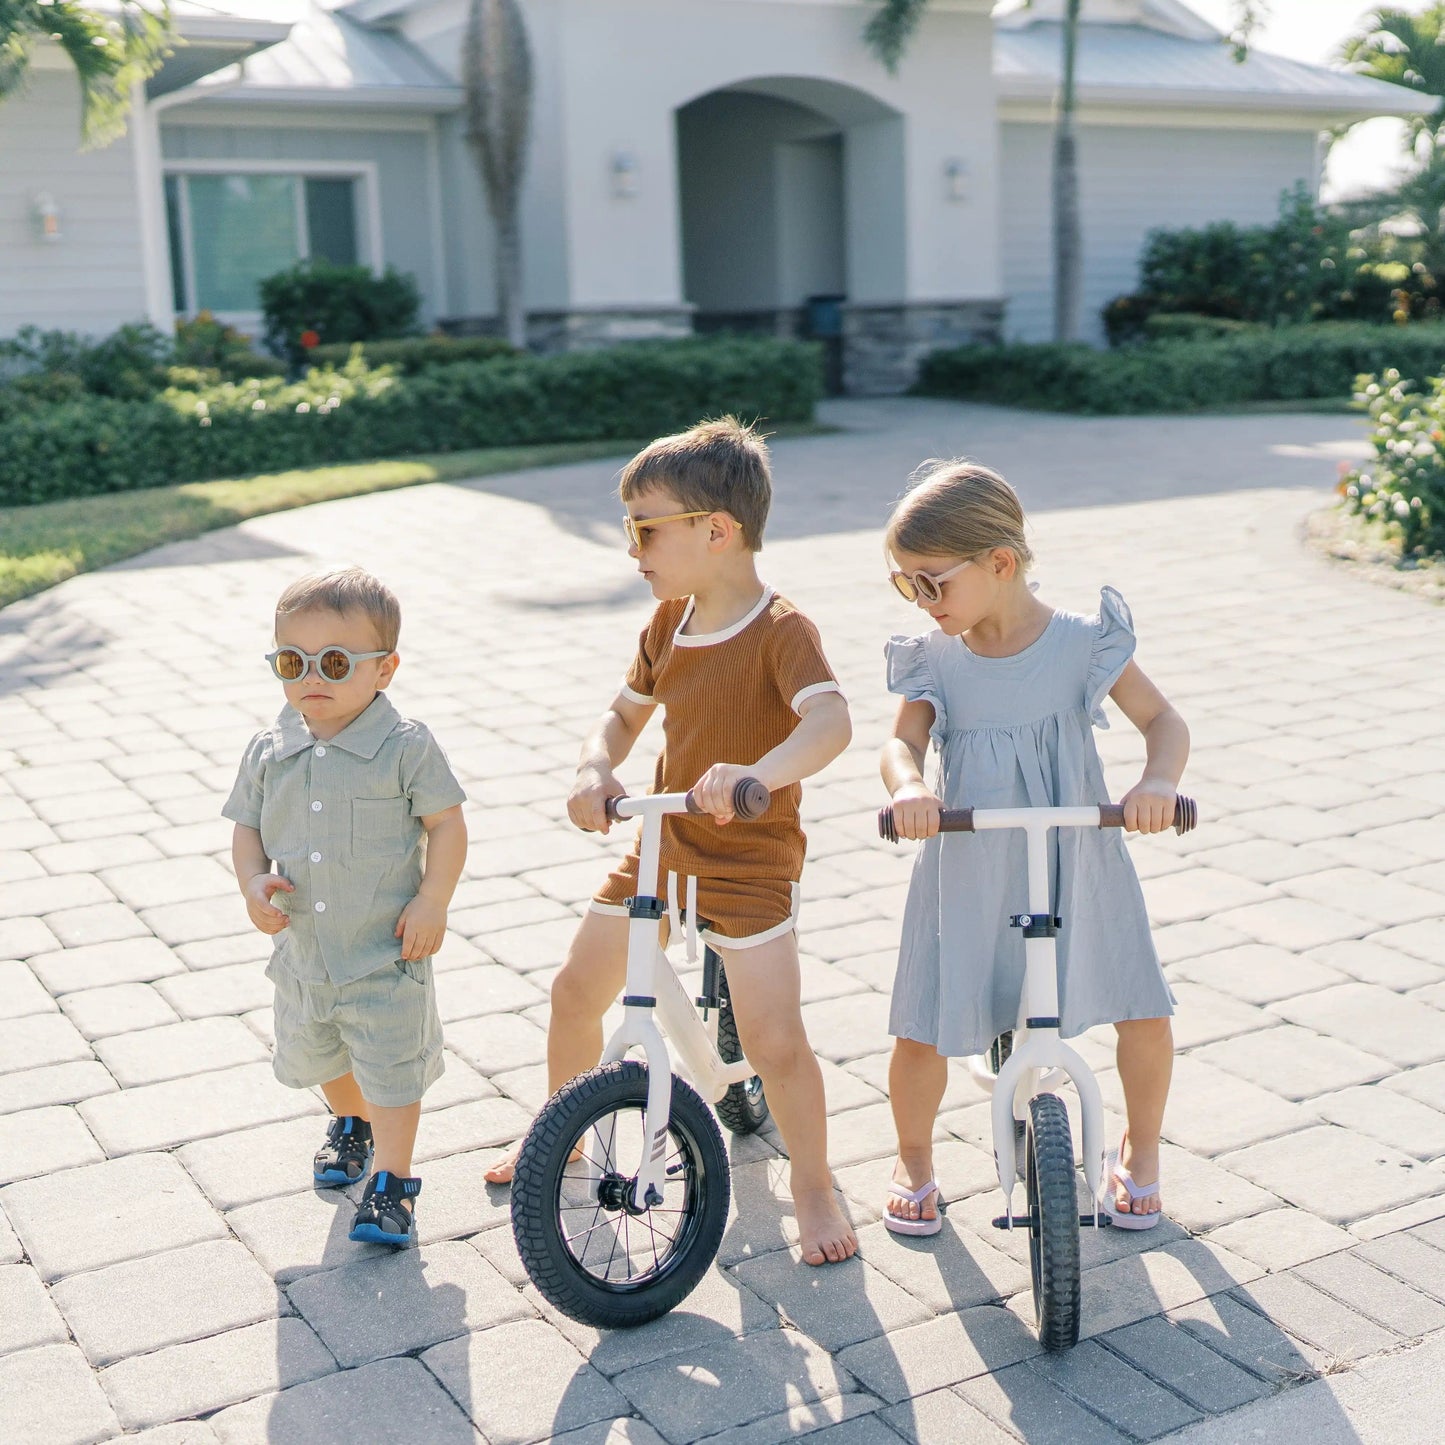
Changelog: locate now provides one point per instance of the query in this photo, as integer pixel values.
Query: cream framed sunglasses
(925, 586)
(332, 664)
(636, 526)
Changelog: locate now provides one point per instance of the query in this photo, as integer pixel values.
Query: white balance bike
(621, 1189)
(1025, 1067)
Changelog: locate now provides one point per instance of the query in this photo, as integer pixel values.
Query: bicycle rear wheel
(585, 1244)
(744, 1108)
(1053, 1222)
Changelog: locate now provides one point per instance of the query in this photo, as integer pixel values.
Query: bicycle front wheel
(583, 1241)
(1053, 1222)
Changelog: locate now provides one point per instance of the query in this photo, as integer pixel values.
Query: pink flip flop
(1119, 1218)
(900, 1225)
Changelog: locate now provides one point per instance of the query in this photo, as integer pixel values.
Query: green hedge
(1289, 363)
(1404, 486)
(411, 354)
(356, 414)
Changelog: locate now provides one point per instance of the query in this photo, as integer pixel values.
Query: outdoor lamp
(955, 180)
(46, 217)
(624, 174)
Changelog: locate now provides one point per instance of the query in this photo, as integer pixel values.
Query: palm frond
(888, 32)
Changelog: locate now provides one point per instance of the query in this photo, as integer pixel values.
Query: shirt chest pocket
(381, 827)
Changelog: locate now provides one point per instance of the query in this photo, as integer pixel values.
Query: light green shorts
(382, 1029)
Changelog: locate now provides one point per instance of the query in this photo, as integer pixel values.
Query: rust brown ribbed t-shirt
(729, 697)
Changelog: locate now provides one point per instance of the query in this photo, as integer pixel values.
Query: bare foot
(1143, 1168)
(824, 1236)
(501, 1172)
(912, 1175)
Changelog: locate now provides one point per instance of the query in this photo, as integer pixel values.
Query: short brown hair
(716, 466)
(348, 589)
(958, 508)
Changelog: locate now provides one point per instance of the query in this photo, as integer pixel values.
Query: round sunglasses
(333, 664)
(924, 586)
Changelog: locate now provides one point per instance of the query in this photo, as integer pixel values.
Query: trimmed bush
(316, 299)
(410, 354)
(1288, 363)
(1404, 487)
(359, 413)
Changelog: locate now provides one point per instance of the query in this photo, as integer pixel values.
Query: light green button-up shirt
(342, 820)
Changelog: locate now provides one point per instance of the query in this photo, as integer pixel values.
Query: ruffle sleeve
(1114, 644)
(911, 676)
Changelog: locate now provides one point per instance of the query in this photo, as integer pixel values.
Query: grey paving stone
(838, 1420)
(1250, 1340)
(55, 1084)
(27, 1317)
(1207, 1380)
(300, 1234)
(1377, 1295)
(1258, 973)
(83, 1219)
(1202, 1194)
(179, 1050)
(847, 1028)
(731, 1383)
(160, 1116)
(165, 1299)
(252, 947)
(1408, 1258)
(1204, 1015)
(1334, 1173)
(21, 993)
(1313, 1316)
(388, 1400)
(630, 1430)
(41, 1039)
(1294, 1062)
(1199, 892)
(497, 1043)
(25, 937)
(522, 1382)
(432, 1293)
(1035, 1409)
(942, 1416)
(1280, 1238)
(92, 856)
(171, 880)
(133, 960)
(1114, 1390)
(1376, 1019)
(1426, 1084)
(251, 1164)
(951, 1270)
(121, 1008)
(486, 988)
(229, 990)
(53, 1384)
(41, 1141)
(479, 1124)
(51, 897)
(10, 1251)
(208, 1374)
(940, 1351)
(100, 922)
(1368, 962)
(1421, 940)
(1392, 1118)
(185, 1432)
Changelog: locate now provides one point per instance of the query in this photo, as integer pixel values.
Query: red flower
(310, 339)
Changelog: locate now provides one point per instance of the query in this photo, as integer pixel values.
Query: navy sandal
(382, 1217)
(344, 1157)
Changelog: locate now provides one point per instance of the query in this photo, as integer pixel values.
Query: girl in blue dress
(1009, 690)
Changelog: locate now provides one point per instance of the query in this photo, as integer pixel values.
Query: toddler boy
(358, 811)
(746, 692)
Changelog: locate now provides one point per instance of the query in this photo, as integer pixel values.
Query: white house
(694, 164)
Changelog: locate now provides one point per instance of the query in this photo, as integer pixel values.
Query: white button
(320, 751)
(316, 806)
(321, 908)
(316, 857)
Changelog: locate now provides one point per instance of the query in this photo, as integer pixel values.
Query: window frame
(364, 174)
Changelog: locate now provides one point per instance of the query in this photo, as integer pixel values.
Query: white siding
(1131, 180)
(92, 278)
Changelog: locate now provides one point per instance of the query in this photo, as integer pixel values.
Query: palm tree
(111, 54)
(887, 34)
(1406, 50)
(497, 74)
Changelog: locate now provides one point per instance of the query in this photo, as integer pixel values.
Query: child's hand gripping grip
(1111, 815)
(750, 800)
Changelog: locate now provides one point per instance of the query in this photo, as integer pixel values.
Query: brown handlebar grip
(610, 807)
(750, 800)
(950, 820)
(1186, 814)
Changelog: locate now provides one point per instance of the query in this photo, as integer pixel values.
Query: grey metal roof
(1134, 62)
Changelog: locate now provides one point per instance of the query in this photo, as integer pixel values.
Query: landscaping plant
(1403, 487)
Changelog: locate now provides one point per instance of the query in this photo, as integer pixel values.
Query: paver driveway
(163, 1260)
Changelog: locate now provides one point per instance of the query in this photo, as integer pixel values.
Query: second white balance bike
(1032, 1062)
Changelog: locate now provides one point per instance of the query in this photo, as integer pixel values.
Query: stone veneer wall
(550, 332)
(883, 344)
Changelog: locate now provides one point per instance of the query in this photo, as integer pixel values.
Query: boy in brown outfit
(741, 676)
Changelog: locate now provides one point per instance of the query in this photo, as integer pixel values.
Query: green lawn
(45, 544)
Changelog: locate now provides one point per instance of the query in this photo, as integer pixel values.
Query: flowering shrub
(1404, 486)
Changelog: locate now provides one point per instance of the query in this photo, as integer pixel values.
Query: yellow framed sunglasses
(636, 526)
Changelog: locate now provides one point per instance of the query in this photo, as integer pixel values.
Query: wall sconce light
(45, 215)
(955, 180)
(624, 174)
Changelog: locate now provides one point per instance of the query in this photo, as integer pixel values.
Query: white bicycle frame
(1040, 1060)
(654, 994)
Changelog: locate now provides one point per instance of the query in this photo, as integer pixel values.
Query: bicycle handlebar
(1111, 815)
(750, 800)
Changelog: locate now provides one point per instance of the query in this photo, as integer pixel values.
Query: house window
(230, 230)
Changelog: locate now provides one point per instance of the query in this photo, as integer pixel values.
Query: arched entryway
(791, 199)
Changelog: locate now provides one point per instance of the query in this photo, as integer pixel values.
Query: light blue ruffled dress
(1013, 732)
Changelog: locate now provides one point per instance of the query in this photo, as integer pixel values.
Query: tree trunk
(1068, 248)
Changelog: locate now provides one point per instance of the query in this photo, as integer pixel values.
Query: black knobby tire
(605, 1266)
(744, 1108)
(1053, 1222)
(999, 1050)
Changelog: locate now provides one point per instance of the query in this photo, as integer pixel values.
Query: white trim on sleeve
(632, 695)
(804, 693)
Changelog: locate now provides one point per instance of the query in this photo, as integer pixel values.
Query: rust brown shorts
(731, 912)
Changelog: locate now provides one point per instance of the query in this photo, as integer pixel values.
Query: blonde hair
(715, 466)
(348, 589)
(958, 508)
